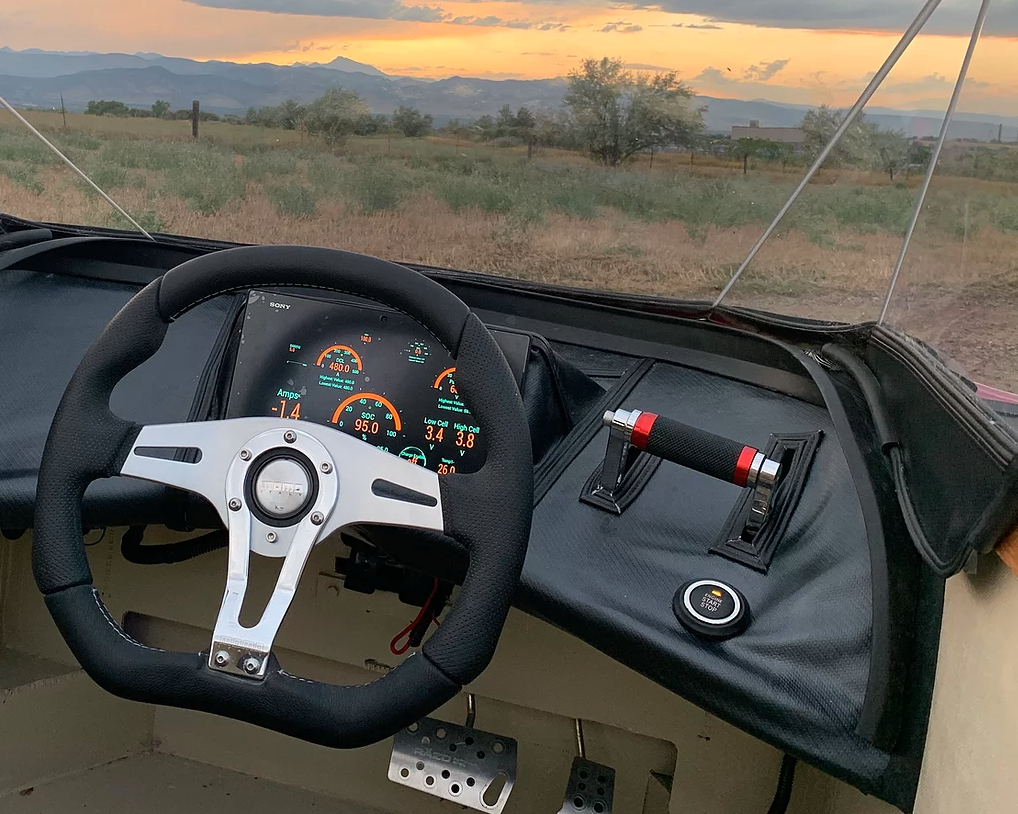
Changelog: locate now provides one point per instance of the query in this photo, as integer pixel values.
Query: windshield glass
(631, 148)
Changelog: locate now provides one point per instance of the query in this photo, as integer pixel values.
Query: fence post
(194, 119)
(63, 110)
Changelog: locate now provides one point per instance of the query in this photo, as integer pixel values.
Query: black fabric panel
(895, 570)
(132, 259)
(957, 477)
(798, 676)
(86, 441)
(25, 237)
(488, 511)
(203, 278)
(48, 322)
(342, 717)
(692, 447)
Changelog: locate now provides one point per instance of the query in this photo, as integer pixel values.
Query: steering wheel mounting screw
(251, 665)
(270, 536)
(289, 436)
(317, 518)
(235, 504)
(245, 455)
(326, 467)
(222, 658)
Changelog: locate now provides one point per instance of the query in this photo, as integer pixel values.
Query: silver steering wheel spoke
(280, 487)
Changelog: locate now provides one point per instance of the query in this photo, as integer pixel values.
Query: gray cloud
(714, 76)
(764, 70)
(621, 28)
(932, 83)
(704, 27)
(953, 17)
(376, 10)
(491, 21)
(367, 9)
(639, 66)
(304, 47)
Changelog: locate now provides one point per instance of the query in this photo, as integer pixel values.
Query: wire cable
(394, 646)
(74, 167)
(906, 39)
(783, 793)
(977, 30)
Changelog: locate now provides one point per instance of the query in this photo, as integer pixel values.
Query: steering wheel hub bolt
(317, 518)
(222, 658)
(270, 536)
(326, 467)
(251, 665)
(289, 436)
(235, 504)
(245, 455)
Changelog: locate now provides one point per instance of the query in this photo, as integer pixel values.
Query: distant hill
(40, 64)
(35, 78)
(344, 64)
(723, 113)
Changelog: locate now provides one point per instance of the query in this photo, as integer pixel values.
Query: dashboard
(371, 372)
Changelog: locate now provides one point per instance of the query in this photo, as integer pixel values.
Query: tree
(919, 156)
(767, 149)
(505, 123)
(370, 124)
(334, 115)
(160, 108)
(890, 149)
(291, 114)
(485, 127)
(525, 120)
(855, 147)
(107, 108)
(554, 129)
(411, 122)
(617, 113)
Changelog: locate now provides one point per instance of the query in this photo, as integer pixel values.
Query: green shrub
(108, 177)
(24, 175)
(377, 186)
(295, 199)
(207, 179)
(23, 147)
(268, 164)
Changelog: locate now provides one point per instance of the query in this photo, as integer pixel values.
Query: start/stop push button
(710, 608)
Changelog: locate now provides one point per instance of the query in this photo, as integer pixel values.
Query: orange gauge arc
(347, 348)
(442, 375)
(396, 421)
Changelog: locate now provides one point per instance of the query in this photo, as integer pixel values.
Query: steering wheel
(294, 483)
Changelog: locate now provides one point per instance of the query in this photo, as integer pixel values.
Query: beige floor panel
(54, 720)
(162, 784)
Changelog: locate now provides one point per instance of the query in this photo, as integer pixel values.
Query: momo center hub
(281, 486)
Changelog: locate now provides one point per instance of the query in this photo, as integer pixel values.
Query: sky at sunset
(798, 51)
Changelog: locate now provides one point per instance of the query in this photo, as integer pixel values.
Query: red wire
(399, 651)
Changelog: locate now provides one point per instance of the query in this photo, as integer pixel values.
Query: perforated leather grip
(694, 448)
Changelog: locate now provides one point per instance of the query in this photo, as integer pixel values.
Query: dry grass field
(678, 229)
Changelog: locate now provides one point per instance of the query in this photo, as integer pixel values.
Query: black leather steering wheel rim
(489, 511)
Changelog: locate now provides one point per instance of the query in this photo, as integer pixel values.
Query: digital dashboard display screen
(373, 373)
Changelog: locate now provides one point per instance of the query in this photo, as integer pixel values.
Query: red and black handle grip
(696, 449)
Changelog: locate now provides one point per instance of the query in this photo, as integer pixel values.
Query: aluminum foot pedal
(470, 767)
(591, 788)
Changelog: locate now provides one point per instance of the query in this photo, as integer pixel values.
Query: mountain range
(36, 78)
